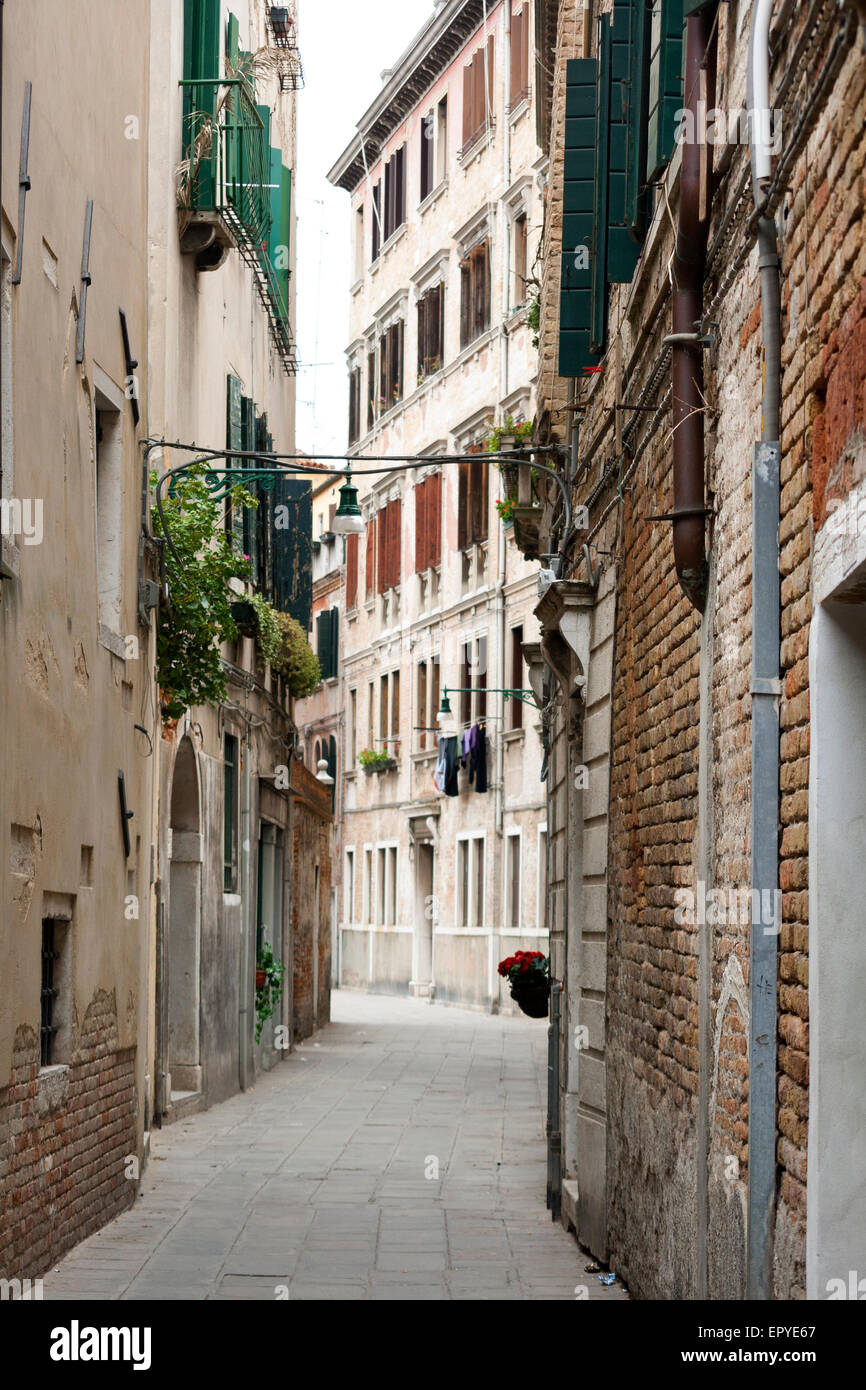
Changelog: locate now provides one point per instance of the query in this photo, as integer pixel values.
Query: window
(371, 390)
(389, 711)
(327, 642)
(376, 222)
(395, 192)
(354, 405)
(391, 366)
(541, 912)
(109, 512)
(518, 292)
(383, 709)
(389, 546)
(442, 140)
(331, 749)
(52, 933)
(478, 95)
(431, 331)
(371, 715)
(359, 242)
(395, 704)
(350, 886)
(353, 727)
(520, 45)
(516, 676)
(428, 522)
(381, 886)
(428, 137)
(352, 571)
(421, 705)
(470, 881)
(370, 560)
(230, 794)
(473, 680)
(475, 293)
(513, 904)
(472, 501)
(387, 885)
(368, 886)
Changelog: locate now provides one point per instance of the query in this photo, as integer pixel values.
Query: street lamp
(348, 520)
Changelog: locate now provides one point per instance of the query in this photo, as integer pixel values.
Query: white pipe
(759, 95)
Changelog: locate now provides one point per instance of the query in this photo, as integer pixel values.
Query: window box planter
(527, 530)
(385, 765)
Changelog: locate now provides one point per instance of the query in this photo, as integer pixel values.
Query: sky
(345, 46)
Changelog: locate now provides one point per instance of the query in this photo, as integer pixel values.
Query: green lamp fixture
(445, 707)
(348, 519)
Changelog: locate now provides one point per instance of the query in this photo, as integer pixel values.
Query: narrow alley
(321, 1182)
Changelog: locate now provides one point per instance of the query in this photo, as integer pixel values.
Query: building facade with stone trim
(443, 178)
(654, 709)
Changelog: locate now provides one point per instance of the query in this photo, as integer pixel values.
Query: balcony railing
(226, 176)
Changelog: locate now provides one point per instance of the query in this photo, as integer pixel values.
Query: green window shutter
(201, 60)
(635, 101)
(578, 255)
(250, 529)
(335, 641)
(278, 242)
(285, 233)
(625, 109)
(599, 295)
(264, 519)
(293, 548)
(234, 440)
(693, 6)
(233, 41)
(665, 84)
(323, 634)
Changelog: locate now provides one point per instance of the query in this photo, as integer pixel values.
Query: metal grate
(48, 991)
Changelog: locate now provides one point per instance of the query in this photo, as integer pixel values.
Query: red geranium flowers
(533, 963)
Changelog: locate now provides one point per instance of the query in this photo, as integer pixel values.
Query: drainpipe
(766, 692)
(244, 1004)
(501, 545)
(689, 516)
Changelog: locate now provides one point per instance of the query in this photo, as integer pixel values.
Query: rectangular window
(395, 706)
(350, 886)
(478, 95)
(395, 192)
(518, 292)
(541, 912)
(381, 886)
(352, 546)
(475, 293)
(230, 792)
(327, 642)
(371, 390)
(428, 137)
(391, 918)
(428, 523)
(421, 714)
(49, 991)
(513, 904)
(442, 140)
(359, 242)
(383, 710)
(431, 331)
(517, 676)
(391, 366)
(434, 691)
(479, 870)
(472, 500)
(370, 560)
(354, 405)
(368, 887)
(520, 45)
(371, 715)
(376, 222)
(389, 559)
(353, 727)
(466, 684)
(463, 883)
(470, 881)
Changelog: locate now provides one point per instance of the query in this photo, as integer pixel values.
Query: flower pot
(532, 996)
(246, 617)
(261, 976)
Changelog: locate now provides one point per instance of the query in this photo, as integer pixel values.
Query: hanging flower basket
(528, 973)
(246, 617)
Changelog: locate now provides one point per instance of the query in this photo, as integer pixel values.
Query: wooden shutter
(235, 440)
(381, 550)
(376, 221)
(575, 309)
(370, 577)
(465, 303)
(517, 41)
(487, 115)
(463, 470)
(478, 500)
(421, 526)
(468, 101)
(396, 543)
(292, 547)
(434, 519)
(352, 571)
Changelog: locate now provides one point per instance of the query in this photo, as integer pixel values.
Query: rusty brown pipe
(689, 526)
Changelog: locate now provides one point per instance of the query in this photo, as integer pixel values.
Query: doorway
(425, 915)
(269, 920)
(183, 1063)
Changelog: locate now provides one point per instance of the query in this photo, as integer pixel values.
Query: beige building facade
(443, 178)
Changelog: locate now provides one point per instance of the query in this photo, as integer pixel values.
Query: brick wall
(64, 1144)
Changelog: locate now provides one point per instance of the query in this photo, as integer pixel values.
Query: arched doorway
(184, 930)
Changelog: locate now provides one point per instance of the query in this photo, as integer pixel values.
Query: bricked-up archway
(184, 929)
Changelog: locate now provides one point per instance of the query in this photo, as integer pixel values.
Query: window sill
(351, 615)
(425, 755)
(522, 106)
(476, 146)
(353, 289)
(514, 736)
(432, 197)
(393, 240)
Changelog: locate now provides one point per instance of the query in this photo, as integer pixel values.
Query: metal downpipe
(766, 693)
(689, 526)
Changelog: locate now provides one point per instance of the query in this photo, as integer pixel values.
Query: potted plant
(372, 761)
(528, 973)
(269, 987)
(244, 614)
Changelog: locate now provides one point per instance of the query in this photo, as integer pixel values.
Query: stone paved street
(315, 1180)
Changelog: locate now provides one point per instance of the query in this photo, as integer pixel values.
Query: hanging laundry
(478, 758)
(445, 776)
(465, 747)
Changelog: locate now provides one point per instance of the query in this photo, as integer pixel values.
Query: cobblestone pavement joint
(398, 1154)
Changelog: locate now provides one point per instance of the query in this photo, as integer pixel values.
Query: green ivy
(297, 661)
(198, 618)
(271, 991)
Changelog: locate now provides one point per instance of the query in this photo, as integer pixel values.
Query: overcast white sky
(345, 45)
